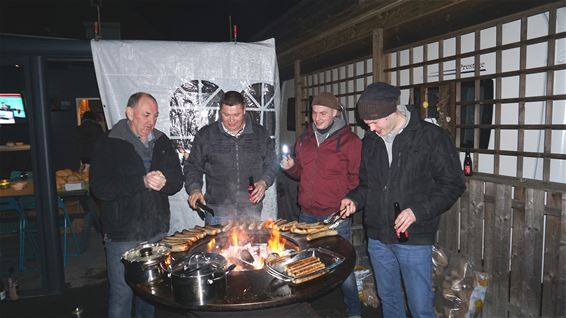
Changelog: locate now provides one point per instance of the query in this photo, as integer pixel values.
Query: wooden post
(299, 116)
(498, 68)
(496, 258)
(472, 208)
(378, 55)
(549, 92)
(522, 88)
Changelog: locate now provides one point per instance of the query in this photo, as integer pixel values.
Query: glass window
(467, 113)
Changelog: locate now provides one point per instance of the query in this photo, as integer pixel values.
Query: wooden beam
(400, 20)
(299, 117)
(526, 183)
(498, 67)
(548, 104)
(378, 55)
(522, 89)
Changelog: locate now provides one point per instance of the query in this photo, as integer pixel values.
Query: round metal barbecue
(256, 289)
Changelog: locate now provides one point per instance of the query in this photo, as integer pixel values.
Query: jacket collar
(414, 123)
(248, 129)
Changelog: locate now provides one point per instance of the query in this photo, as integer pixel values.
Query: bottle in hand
(468, 164)
(251, 186)
(403, 236)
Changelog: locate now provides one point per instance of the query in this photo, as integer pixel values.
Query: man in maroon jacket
(327, 162)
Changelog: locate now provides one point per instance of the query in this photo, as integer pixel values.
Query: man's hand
(348, 207)
(195, 197)
(154, 180)
(258, 192)
(287, 162)
(404, 220)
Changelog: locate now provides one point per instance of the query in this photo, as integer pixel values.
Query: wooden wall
(516, 232)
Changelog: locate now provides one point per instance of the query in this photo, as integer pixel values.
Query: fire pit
(251, 286)
(247, 249)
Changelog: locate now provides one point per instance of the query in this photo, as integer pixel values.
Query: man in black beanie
(415, 164)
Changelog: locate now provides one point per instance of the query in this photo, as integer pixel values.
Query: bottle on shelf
(13, 286)
(403, 236)
(468, 164)
(2, 291)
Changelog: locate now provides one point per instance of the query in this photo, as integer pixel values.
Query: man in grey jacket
(229, 153)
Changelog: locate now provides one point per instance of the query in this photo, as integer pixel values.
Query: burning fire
(211, 245)
(276, 243)
(168, 260)
(240, 249)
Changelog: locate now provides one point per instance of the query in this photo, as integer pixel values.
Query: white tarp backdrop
(188, 79)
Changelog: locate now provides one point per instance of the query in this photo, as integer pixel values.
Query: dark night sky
(181, 20)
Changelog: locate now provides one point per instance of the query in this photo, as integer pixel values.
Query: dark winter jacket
(425, 175)
(87, 134)
(328, 171)
(228, 162)
(130, 211)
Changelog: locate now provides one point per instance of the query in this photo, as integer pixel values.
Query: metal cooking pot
(147, 262)
(200, 279)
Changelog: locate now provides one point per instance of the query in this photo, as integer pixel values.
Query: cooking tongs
(202, 208)
(334, 219)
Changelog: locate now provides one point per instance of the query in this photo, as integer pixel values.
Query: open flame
(276, 243)
(234, 237)
(211, 245)
(243, 251)
(168, 260)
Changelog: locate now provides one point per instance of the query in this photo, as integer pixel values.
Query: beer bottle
(13, 286)
(251, 185)
(2, 290)
(468, 164)
(403, 236)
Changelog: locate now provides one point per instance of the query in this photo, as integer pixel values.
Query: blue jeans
(413, 263)
(349, 287)
(120, 295)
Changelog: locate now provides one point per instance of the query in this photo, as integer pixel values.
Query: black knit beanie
(377, 101)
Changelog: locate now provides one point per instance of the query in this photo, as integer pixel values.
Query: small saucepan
(147, 262)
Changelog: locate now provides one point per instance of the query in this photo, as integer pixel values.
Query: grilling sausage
(252, 226)
(214, 229)
(294, 264)
(287, 226)
(226, 227)
(305, 279)
(305, 226)
(179, 247)
(321, 234)
(308, 269)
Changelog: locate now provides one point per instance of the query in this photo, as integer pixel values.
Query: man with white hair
(133, 172)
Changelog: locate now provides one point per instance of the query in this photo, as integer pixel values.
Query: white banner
(188, 79)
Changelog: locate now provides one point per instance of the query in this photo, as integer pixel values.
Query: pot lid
(147, 253)
(194, 270)
(200, 264)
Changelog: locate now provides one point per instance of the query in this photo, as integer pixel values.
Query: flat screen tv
(11, 103)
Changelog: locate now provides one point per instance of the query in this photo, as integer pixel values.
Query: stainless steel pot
(200, 279)
(147, 262)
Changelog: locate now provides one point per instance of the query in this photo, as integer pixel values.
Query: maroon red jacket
(327, 172)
